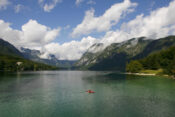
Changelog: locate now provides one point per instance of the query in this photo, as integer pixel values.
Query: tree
(164, 59)
(134, 67)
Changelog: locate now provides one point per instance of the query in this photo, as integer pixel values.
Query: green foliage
(164, 59)
(134, 67)
(9, 63)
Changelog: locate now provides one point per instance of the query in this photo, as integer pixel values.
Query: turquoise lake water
(62, 94)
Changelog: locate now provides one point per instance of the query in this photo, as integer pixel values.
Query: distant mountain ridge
(8, 49)
(98, 56)
(116, 55)
(35, 55)
(11, 59)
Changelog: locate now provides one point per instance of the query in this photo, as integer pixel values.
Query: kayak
(90, 91)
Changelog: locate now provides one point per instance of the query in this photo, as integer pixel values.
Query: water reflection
(62, 93)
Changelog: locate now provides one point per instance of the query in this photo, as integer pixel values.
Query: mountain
(11, 59)
(90, 56)
(35, 55)
(9, 49)
(116, 55)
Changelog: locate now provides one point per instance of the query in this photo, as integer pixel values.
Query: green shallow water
(62, 94)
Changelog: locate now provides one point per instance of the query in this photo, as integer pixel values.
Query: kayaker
(90, 91)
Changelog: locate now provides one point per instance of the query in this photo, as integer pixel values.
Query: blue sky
(68, 14)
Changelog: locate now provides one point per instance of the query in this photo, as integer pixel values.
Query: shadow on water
(109, 76)
(15, 75)
(114, 77)
(6, 75)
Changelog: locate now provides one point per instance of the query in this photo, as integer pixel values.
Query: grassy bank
(158, 72)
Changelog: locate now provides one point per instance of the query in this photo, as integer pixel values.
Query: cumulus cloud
(106, 21)
(49, 6)
(31, 35)
(37, 34)
(159, 23)
(4, 4)
(9, 34)
(71, 50)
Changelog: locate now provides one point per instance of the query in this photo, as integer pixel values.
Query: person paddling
(90, 91)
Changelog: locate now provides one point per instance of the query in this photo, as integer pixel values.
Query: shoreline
(140, 74)
(145, 74)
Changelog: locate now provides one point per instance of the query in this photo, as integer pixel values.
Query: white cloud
(78, 2)
(106, 21)
(18, 8)
(9, 34)
(38, 34)
(156, 25)
(114, 37)
(70, 51)
(31, 35)
(48, 6)
(159, 23)
(4, 4)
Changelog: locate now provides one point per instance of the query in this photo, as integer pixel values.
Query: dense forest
(15, 63)
(162, 60)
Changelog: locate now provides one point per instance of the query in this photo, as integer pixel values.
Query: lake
(62, 94)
